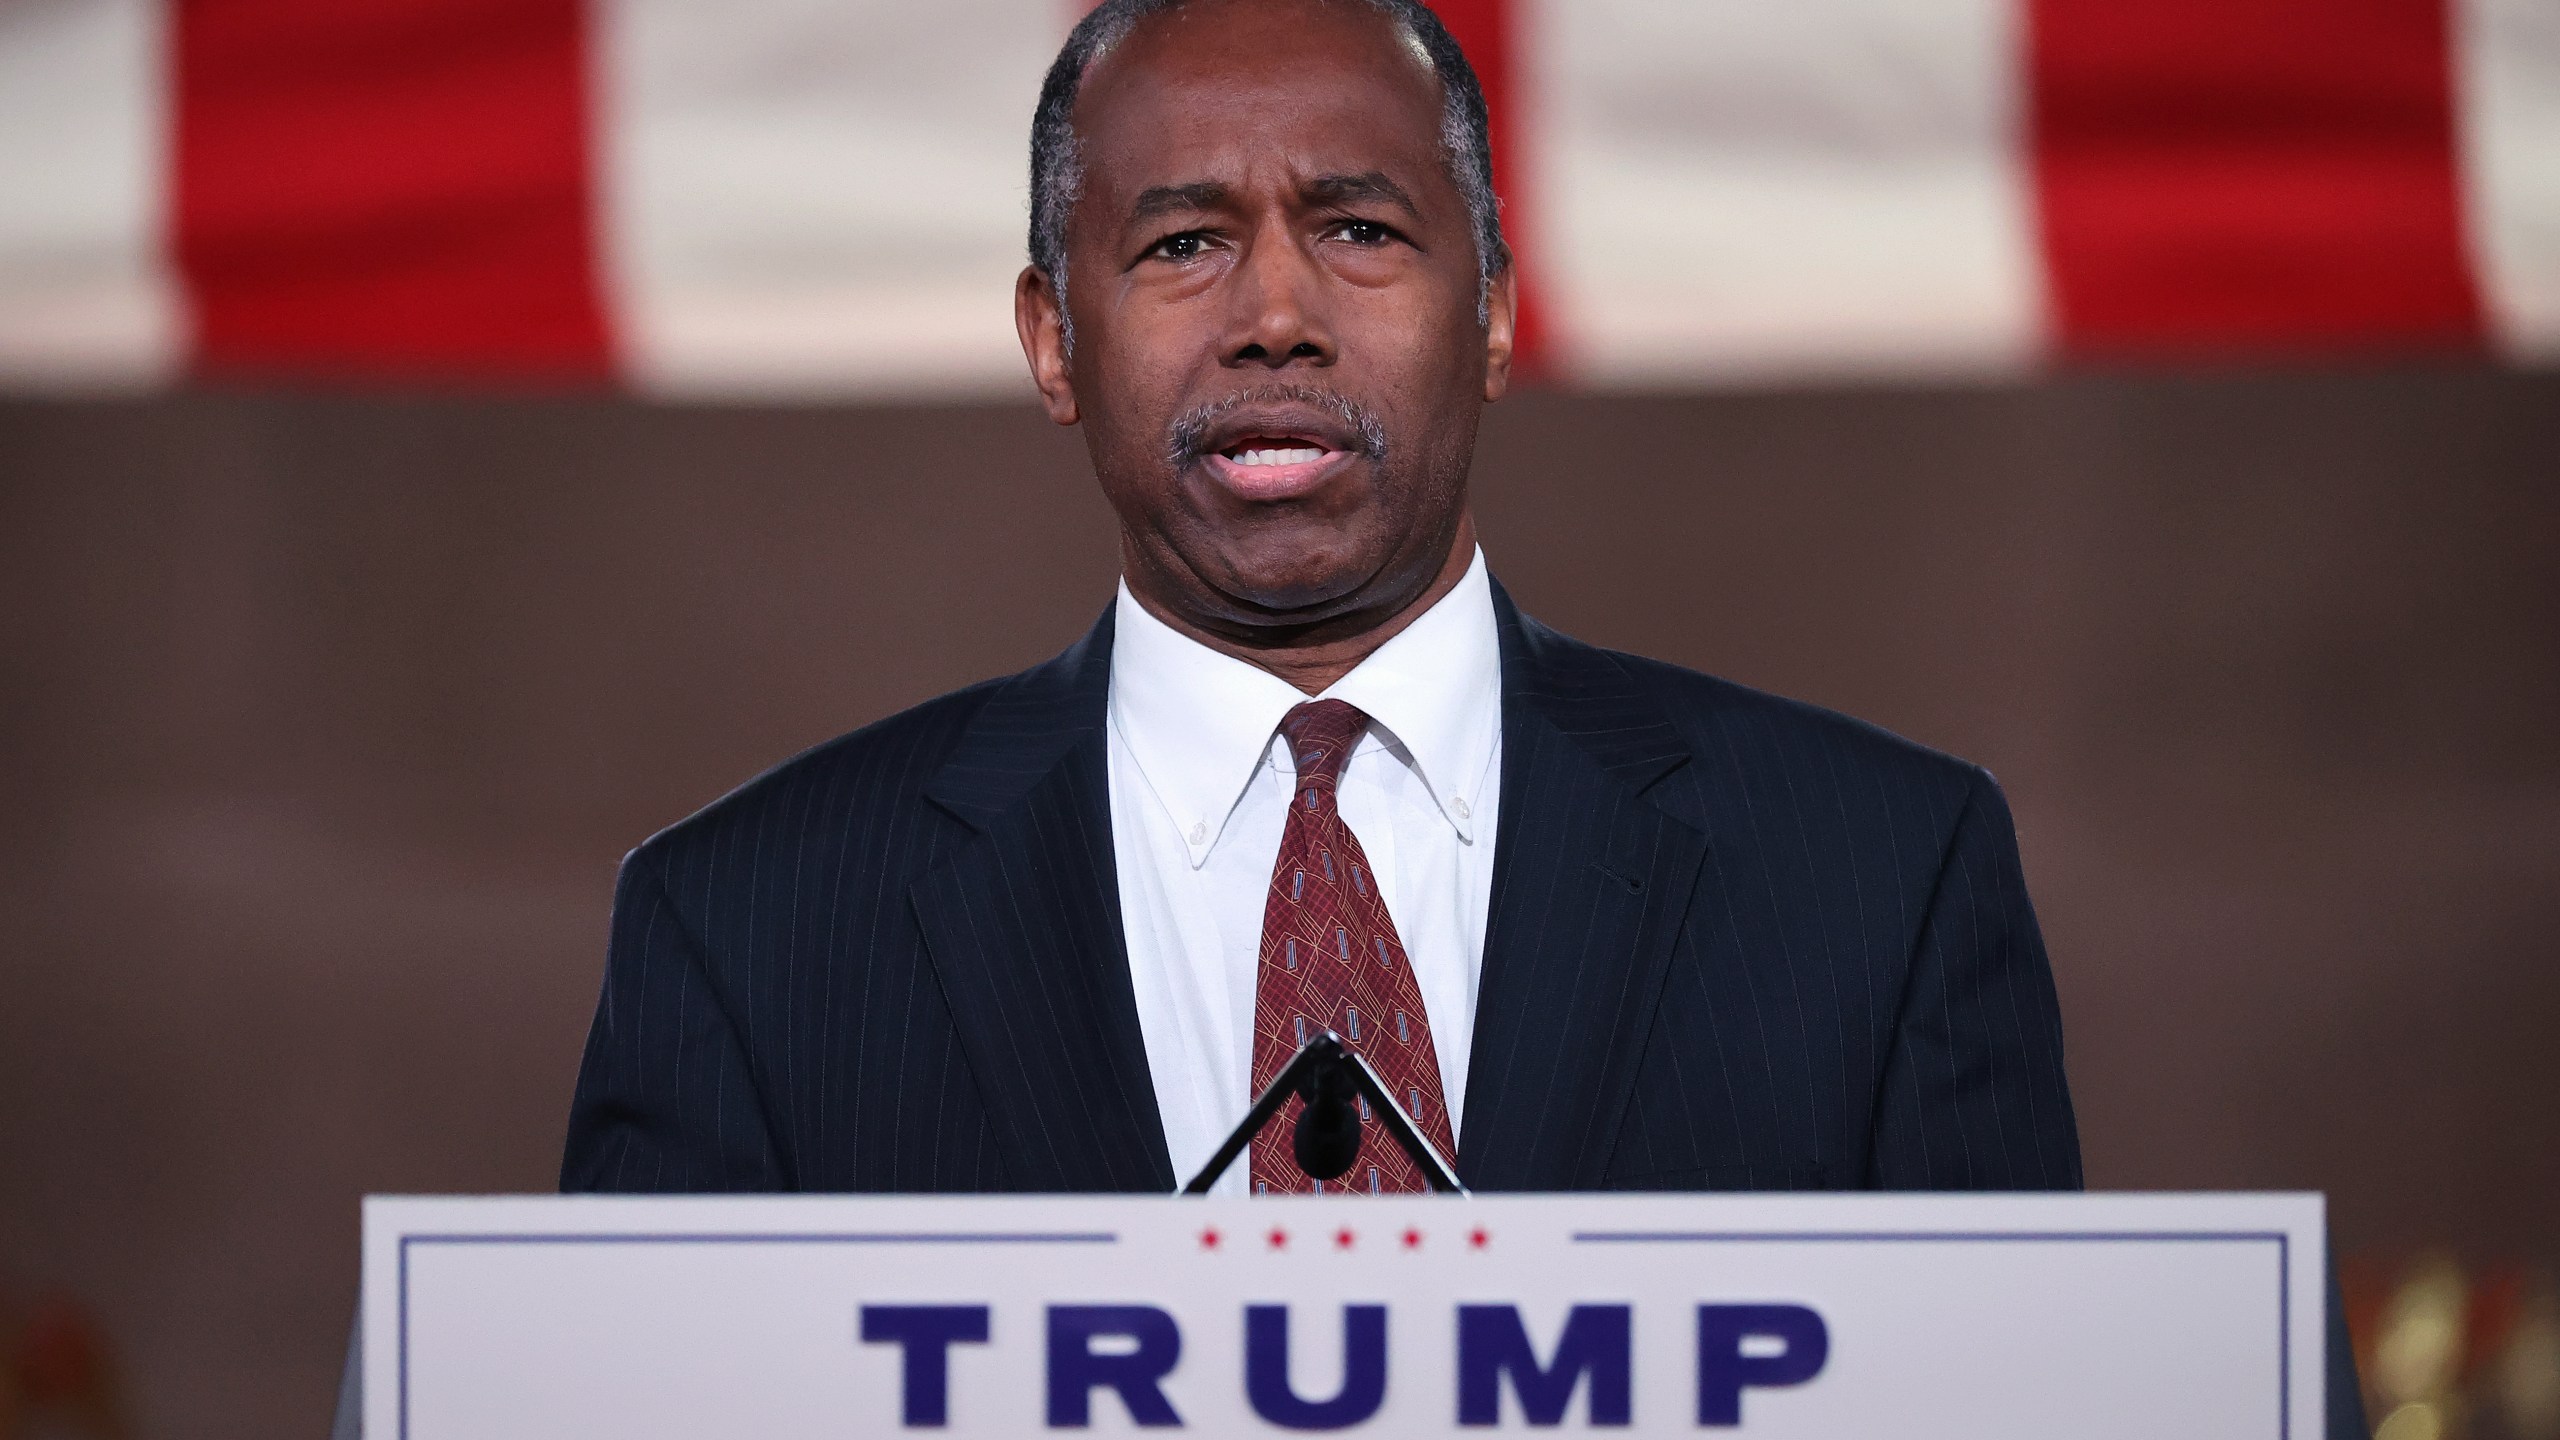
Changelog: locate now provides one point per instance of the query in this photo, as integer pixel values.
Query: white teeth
(1278, 457)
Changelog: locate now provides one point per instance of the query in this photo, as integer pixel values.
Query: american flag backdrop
(825, 198)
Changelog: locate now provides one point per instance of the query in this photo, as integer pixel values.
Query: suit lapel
(1023, 925)
(1592, 881)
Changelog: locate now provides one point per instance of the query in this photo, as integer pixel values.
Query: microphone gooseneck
(1333, 1080)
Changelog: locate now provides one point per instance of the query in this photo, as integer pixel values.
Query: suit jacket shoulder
(869, 770)
(770, 1016)
(1727, 720)
(1752, 944)
(1859, 994)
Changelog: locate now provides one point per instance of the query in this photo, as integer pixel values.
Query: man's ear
(1042, 326)
(1502, 315)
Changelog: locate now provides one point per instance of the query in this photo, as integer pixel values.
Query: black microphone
(1328, 1137)
(1332, 1079)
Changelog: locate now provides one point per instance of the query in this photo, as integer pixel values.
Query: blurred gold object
(2525, 1379)
(2418, 1355)
(2455, 1356)
(2416, 1420)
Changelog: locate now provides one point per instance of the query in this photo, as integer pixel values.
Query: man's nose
(1277, 294)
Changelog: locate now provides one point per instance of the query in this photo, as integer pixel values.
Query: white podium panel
(1914, 1316)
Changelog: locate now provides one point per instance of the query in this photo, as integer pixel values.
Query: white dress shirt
(1200, 793)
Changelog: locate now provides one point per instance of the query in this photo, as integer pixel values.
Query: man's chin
(1295, 587)
(1323, 592)
(1293, 602)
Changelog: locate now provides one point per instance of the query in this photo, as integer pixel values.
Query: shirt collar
(1436, 690)
(1198, 722)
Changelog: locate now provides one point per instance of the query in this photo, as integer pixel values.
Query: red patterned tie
(1331, 961)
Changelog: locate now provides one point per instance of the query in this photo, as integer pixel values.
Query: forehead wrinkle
(1340, 189)
(1364, 165)
(1329, 189)
(1158, 200)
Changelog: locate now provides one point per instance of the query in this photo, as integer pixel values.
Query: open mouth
(1274, 467)
(1276, 450)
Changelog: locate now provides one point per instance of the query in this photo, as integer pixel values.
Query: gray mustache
(1187, 439)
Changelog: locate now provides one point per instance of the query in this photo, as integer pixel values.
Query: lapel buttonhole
(1634, 883)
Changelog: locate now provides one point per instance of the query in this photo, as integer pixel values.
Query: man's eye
(1362, 232)
(1181, 247)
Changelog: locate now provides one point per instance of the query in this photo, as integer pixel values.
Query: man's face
(1274, 283)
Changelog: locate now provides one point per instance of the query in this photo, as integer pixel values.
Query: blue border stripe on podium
(880, 1237)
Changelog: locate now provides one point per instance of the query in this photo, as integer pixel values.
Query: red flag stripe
(2249, 175)
(396, 188)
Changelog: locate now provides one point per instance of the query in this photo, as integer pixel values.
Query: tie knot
(1321, 734)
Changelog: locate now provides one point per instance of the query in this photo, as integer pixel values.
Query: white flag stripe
(85, 296)
(2507, 80)
(814, 197)
(1820, 187)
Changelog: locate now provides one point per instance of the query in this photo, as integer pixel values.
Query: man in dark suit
(1607, 923)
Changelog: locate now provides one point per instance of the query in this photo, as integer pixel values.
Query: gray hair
(1057, 171)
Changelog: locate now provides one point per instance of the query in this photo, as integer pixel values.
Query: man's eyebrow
(1158, 200)
(1367, 185)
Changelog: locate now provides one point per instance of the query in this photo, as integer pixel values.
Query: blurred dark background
(327, 717)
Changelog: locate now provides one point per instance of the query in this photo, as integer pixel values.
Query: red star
(1413, 1239)
(1478, 1238)
(1209, 1239)
(1279, 1238)
(1342, 1239)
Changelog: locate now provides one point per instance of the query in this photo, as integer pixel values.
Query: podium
(1976, 1316)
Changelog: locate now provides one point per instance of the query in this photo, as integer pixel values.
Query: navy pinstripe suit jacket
(1735, 943)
